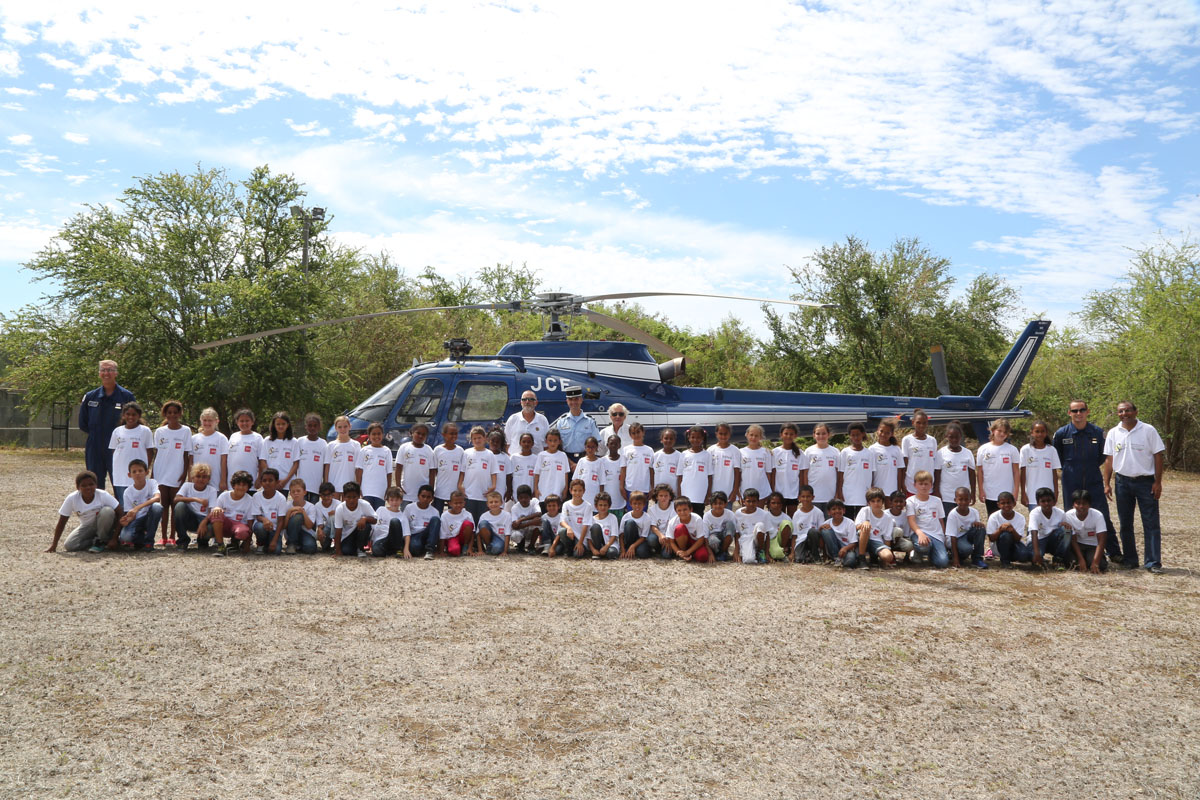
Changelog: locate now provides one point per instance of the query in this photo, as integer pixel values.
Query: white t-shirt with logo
(1087, 529)
(756, 465)
(881, 526)
(888, 461)
(727, 463)
(172, 446)
(280, 455)
(342, 458)
(857, 468)
(578, 517)
(1018, 522)
(134, 496)
(929, 514)
(311, 454)
(275, 507)
(345, 518)
(1040, 524)
(376, 465)
(694, 525)
(1039, 466)
(637, 461)
(478, 467)
(127, 445)
(659, 517)
(208, 450)
(448, 463)
(244, 449)
(610, 479)
(452, 523)
(501, 523)
(418, 518)
(608, 527)
(956, 470)
(383, 523)
(324, 513)
(919, 454)
(804, 521)
(243, 510)
(590, 472)
(694, 471)
(822, 466)
(787, 466)
(1132, 451)
(415, 464)
(958, 524)
(552, 473)
(997, 461)
(208, 496)
(524, 469)
(845, 531)
(74, 504)
(666, 469)
(746, 522)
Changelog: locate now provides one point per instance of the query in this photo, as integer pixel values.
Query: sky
(624, 146)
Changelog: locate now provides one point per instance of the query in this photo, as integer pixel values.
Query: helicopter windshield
(422, 403)
(376, 407)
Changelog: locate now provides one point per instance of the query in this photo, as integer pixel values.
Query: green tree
(181, 259)
(889, 307)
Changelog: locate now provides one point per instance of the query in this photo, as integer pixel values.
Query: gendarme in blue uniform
(99, 416)
(575, 431)
(1082, 453)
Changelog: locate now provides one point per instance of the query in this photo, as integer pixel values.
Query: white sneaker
(429, 555)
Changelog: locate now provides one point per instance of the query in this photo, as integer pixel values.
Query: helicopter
(485, 390)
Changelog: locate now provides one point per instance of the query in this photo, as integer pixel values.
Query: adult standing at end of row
(575, 426)
(99, 416)
(1080, 446)
(527, 420)
(1134, 451)
(617, 415)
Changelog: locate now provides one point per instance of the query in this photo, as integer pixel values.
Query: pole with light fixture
(317, 214)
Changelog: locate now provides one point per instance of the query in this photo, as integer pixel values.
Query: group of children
(879, 503)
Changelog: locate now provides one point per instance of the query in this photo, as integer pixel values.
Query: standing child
(390, 532)
(695, 470)
(821, 468)
(685, 532)
(998, 467)
(956, 467)
(495, 526)
(1040, 464)
(788, 460)
(1088, 533)
(233, 513)
(478, 475)
(757, 467)
(526, 520)
(603, 540)
(589, 469)
(720, 527)
(610, 475)
(193, 503)
(414, 462)
(457, 527)
(889, 461)
(840, 536)
(919, 451)
(447, 466)
(299, 521)
(141, 498)
(373, 466)
(637, 540)
(874, 527)
(752, 529)
(806, 525)
(727, 463)
(553, 468)
(926, 516)
(636, 461)
(424, 525)
(352, 522)
(779, 527)
(131, 440)
(244, 446)
(525, 465)
(965, 532)
(341, 457)
(97, 510)
(279, 451)
(272, 509)
(504, 466)
(855, 471)
(1006, 532)
(209, 446)
(172, 457)
(660, 513)
(310, 453)
(665, 467)
(1048, 522)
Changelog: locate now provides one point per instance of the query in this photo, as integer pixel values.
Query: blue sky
(632, 145)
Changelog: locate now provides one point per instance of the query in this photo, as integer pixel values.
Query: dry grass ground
(180, 675)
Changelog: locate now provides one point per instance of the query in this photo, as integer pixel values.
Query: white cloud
(46, 86)
(12, 106)
(19, 240)
(76, 138)
(86, 95)
(10, 62)
(17, 90)
(20, 139)
(307, 128)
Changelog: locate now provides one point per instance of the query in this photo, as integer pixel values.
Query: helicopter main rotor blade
(513, 306)
(937, 361)
(637, 334)
(632, 295)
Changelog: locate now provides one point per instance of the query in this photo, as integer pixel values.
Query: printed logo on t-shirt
(179, 445)
(246, 449)
(381, 462)
(1006, 459)
(558, 467)
(421, 462)
(317, 457)
(134, 445)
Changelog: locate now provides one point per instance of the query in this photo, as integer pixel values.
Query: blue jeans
(141, 531)
(630, 534)
(263, 536)
(354, 540)
(833, 544)
(1140, 492)
(300, 537)
(719, 542)
(935, 551)
(391, 544)
(1056, 544)
(186, 520)
(425, 540)
(970, 542)
(495, 543)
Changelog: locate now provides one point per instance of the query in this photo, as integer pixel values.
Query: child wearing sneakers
(172, 452)
(390, 531)
(352, 522)
(575, 522)
(234, 511)
(551, 520)
(840, 536)
(660, 512)
(779, 527)
(1088, 533)
(140, 521)
(965, 532)
(457, 528)
(720, 526)
(902, 538)
(637, 540)
(526, 520)
(272, 508)
(749, 546)
(495, 526)
(926, 516)
(603, 540)
(193, 502)
(1047, 524)
(97, 510)
(131, 440)
(424, 525)
(324, 509)
(1006, 531)
(874, 527)
(373, 467)
(806, 527)
(209, 446)
(686, 535)
(298, 521)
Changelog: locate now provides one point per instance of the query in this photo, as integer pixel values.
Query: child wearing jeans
(352, 522)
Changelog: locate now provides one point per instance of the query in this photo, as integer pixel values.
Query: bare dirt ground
(185, 676)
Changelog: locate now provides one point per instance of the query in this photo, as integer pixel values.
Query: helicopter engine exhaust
(670, 369)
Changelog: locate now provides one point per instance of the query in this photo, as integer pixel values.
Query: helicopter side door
(482, 401)
(420, 406)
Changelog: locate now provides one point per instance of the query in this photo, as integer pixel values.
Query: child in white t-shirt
(603, 540)
(97, 510)
(352, 522)
(636, 461)
(300, 519)
(552, 467)
(889, 460)
(526, 519)
(341, 457)
(1047, 528)
(576, 520)
(840, 535)
(1006, 531)
(720, 526)
(310, 455)
(919, 451)
(390, 531)
(1040, 464)
(874, 527)
(727, 463)
(193, 502)
(787, 462)
(234, 512)
(660, 512)
(324, 508)
(495, 526)
(589, 469)
(424, 525)
(1088, 533)
(414, 462)
(457, 528)
(955, 467)
(373, 466)
(998, 466)
(478, 475)
(637, 540)
(143, 509)
(504, 467)
(820, 468)
(926, 516)
(687, 535)
(551, 520)
(695, 470)
(172, 452)
(279, 450)
(855, 470)
(272, 508)
(245, 445)
(806, 524)
(447, 466)
(779, 527)
(209, 446)
(610, 475)
(965, 532)
(131, 440)
(525, 464)
(665, 467)
(750, 545)
(757, 465)
(902, 540)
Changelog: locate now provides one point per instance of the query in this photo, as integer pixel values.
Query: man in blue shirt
(575, 426)
(99, 416)
(1080, 446)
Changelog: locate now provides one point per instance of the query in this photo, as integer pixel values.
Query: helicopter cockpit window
(376, 407)
(479, 401)
(422, 403)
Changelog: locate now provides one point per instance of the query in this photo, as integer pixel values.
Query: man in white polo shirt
(1134, 450)
(527, 420)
